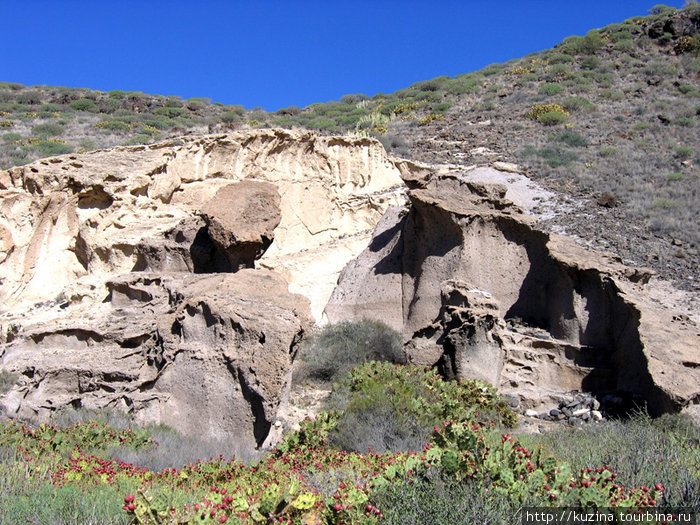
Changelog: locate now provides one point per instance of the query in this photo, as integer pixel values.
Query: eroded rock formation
(477, 290)
(175, 280)
(190, 351)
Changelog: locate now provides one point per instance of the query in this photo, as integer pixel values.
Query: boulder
(241, 219)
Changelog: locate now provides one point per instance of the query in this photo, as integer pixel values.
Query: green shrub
(559, 58)
(590, 63)
(230, 117)
(173, 102)
(170, 111)
(624, 46)
(584, 45)
(29, 98)
(683, 152)
(52, 108)
(11, 137)
(492, 69)
(48, 130)
(50, 148)
(664, 203)
(685, 122)
(660, 69)
(464, 84)
(572, 138)
(395, 407)
(6, 123)
(607, 151)
(354, 98)
(110, 105)
(84, 104)
(612, 95)
(441, 107)
(688, 89)
(429, 96)
(659, 9)
(435, 84)
(552, 118)
(338, 348)
(322, 124)
(291, 111)
(113, 125)
(556, 157)
(675, 176)
(550, 89)
(604, 80)
(577, 104)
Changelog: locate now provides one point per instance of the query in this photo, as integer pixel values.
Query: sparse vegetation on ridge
(630, 87)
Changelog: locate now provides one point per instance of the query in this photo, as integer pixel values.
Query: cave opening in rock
(207, 256)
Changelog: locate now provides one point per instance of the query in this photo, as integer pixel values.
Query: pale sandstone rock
(333, 192)
(99, 304)
(577, 319)
(508, 167)
(192, 352)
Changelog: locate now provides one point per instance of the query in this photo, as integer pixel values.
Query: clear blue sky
(279, 53)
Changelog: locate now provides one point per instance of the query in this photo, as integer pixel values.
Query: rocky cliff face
(176, 280)
(478, 291)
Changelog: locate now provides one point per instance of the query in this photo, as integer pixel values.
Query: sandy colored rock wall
(175, 280)
(479, 292)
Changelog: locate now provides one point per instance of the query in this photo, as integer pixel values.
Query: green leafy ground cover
(53, 475)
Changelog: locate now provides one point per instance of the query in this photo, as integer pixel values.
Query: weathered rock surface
(124, 201)
(175, 280)
(193, 352)
(241, 219)
(450, 270)
(116, 271)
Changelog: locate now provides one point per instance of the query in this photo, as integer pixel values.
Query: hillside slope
(614, 111)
